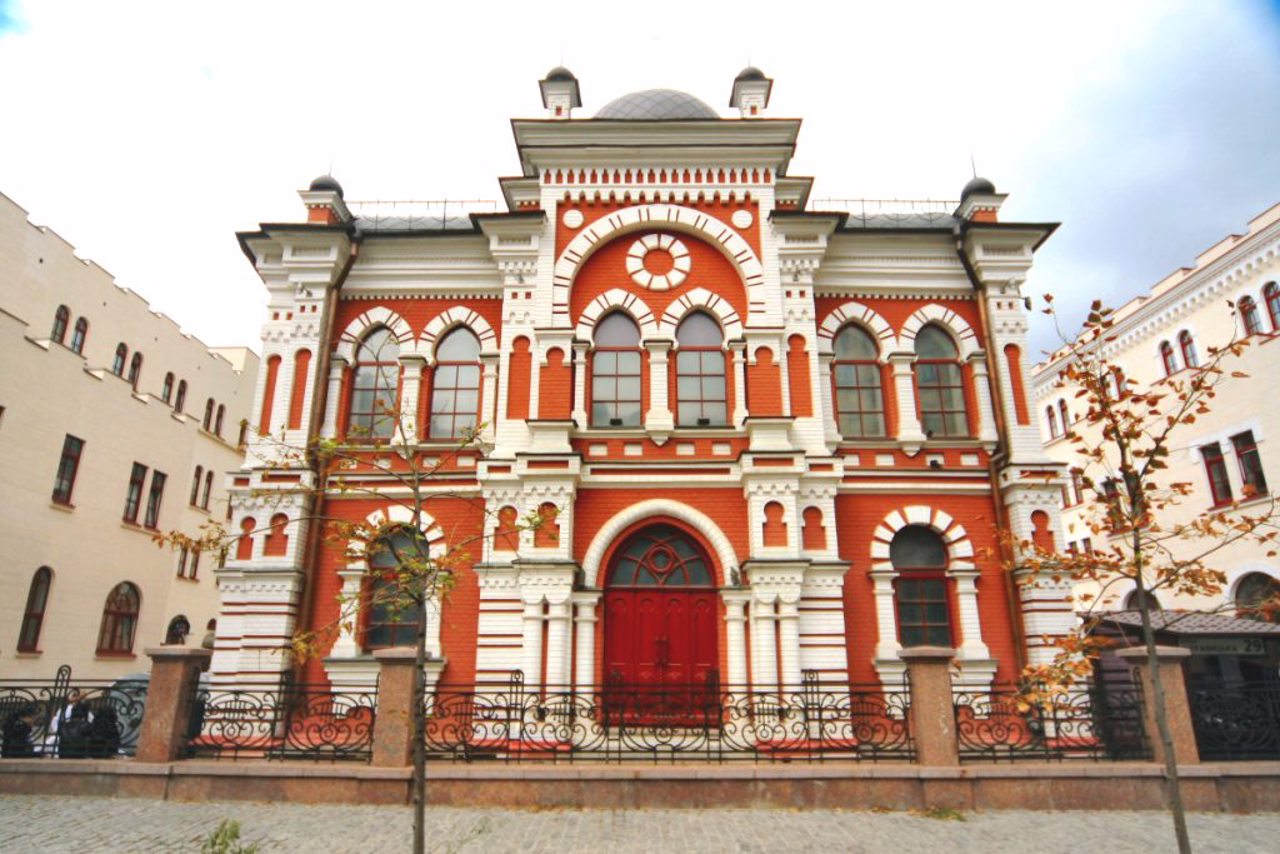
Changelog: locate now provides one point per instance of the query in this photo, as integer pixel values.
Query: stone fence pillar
(174, 671)
(1177, 706)
(393, 722)
(933, 716)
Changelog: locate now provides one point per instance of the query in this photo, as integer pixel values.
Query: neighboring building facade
(114, 424)
(770, 440)
(1231, 293)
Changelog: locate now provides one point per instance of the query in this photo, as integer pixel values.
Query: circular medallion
(572, 218)
(658, 262)
(742, 219)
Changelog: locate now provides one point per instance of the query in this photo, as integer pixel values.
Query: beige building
(1232, 454)
(114, 424)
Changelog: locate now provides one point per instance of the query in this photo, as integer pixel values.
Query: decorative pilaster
(558, 651)
(764, 647)
(489, 397)
(659, 418)
(333, 398)
(580, 351)
(735, 604)
(904, 386)
(789, 640)
(532, 643)
(737, 355)
(987, 433)
(830, 425)
(584, 605)
(411, 388)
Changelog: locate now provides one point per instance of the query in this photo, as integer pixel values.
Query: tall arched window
(1249, 314)
(218, 419)
(392, 616)
(858, 385)
(208, 489)
(1187, 344)
(119, 620)
(1134, 598)
(181, 399)
(1271, 294)
(77, 337)
(208, 415)
(940, 385)
(919, 556)
(375, 389)
(615, 372)
(33, 615)
(195, 485)
(1167, 360)
(166, 390)
(1258, 598)
(122, 356)
(701, 393)
(135, 370)
(61, 318)
(1051, 417)
(455, 386)
(1066, 416)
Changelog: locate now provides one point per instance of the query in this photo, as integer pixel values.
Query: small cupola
(324, 201)
(979, 201)
(560, 93)
(751, 92)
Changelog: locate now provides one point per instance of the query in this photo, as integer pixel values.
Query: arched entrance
(660, 612)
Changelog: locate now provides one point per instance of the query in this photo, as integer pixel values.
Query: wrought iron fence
(1236, 720)
(71, 718)
(667, 723)
(294, 721)
(1083, 723)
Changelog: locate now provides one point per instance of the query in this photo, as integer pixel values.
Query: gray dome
(751, 73)
(656, 104)
(560, 73)
(327, 182)
(977, 185)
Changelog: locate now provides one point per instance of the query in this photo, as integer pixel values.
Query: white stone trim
(701, 299)
(379, 315)
(448, 320)
(616, 299)
(966, 339)
(857, 313)
(594, 558)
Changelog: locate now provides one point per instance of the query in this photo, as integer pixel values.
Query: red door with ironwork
(661, 608)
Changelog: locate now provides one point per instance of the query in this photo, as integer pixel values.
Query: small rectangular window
(1216, 468)
(924, 617)
(133, 498)
(64, 481)
(1255, 482)
(152, 518)
(1086, 545)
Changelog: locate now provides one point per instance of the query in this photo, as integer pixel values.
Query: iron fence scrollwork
(1235, 719)
(71, 718)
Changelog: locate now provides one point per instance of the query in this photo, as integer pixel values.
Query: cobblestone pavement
(72, 824)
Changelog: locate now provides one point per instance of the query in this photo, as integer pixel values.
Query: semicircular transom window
(660, 556)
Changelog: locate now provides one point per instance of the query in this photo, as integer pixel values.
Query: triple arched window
(119, 620)
(919, 557)
(702, 398)
(375, 387)
(616, 372)
(455, 386)
(859, 390)
(940, 385)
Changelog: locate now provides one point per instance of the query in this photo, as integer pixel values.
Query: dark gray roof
(908, 221)
(327, 182)
(657, 104)
(751, 73)
(414, 223)
(977, 185)
(560, 73)
(1194, 623)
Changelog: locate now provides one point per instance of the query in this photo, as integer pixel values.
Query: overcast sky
(146, 134)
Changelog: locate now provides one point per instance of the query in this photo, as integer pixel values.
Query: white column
(585, 628)
(410, 390)
(283, 397)
(764, 648)
(332, 398)
(982, 391)
(971, 647)
(580, 351)
(558, 644)
(826, 398)
(887, 646)
(735, 603)
(659, 415)
(789, 638)
(737, 353)
(532, 644)
(488, 396)
(904, 387)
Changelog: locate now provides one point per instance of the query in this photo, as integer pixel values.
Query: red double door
(660, 638)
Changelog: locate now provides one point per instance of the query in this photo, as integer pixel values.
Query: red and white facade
(658, 350)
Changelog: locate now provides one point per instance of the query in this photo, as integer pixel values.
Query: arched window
(615, 372)
(660, 556)
(1167, 360)
(208, 489)
(858, 384)
(1249, 314)
(61, 318)
(1066, 416)
(1271, 294)
(122, 356)
(77, 337)
(244, 542)
(119, 620)
(218, 419)
(940, 385)
(1258, 598)
(392, 615)
(208, 415)
(166, 390)
(1190, 358)
(181, 400)
(195, 486)
(135, 370)
(1052, 418)
(33, 615)
(455, 386)
(176, 634)
(375, 389)
(919, 556)
(1135, 597)
(701, 394)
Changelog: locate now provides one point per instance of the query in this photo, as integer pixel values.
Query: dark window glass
(218, 419)
(1187, 344)
(166, 390)
(1271, 293)
(1255, 482)
(858, 388)
(1249, 314)
(133, 497)
(152, 518)
(701, 389)
(208, 415)
(122, 356)
(1066, 416)
(1052, 418)
(1216, 468)
(1167, 359)
(181, 400)
(119, 620)
(455, 386)
(392, 616)
(61, 318)
(663, 556)
(208, 489)
(65, 480)
(375, 388)
(33, 615)
(195, 486)
(135, 370)
(939, 385)
(919, 556)
(1258, 598)
(615, 373)
(78, 336)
